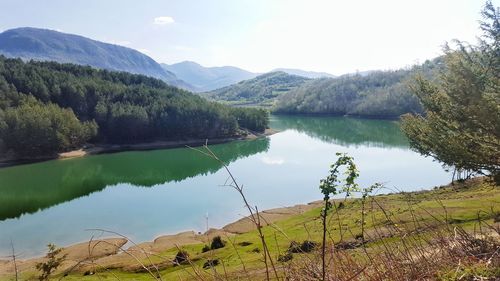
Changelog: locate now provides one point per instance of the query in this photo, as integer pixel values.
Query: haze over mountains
(208, 78)
(205, 79)
(304, 73)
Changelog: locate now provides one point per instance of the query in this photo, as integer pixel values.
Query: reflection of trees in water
(29, 188)
(345, 131)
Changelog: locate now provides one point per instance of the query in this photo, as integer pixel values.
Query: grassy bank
(441, 234)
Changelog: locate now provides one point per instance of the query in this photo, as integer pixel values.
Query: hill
(261, 90)
(377, 93)
(47, 107)
(304, 73)
(208, 78)
(48, 45)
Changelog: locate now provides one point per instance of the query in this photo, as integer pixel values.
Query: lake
(144, 194)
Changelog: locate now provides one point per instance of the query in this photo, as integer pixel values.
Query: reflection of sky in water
(287, 174)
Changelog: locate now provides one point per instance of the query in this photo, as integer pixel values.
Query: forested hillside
(378, 93)
(261, 90)
(47, 107)
(42, 44)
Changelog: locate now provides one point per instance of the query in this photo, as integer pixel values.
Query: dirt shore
(113, 148)
(115, 252)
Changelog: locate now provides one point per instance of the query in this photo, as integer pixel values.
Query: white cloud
(272, 160)
(164, 20)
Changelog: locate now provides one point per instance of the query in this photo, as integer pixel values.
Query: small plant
(205, 248)
(496, 217)
(181, 257)
(359, 236)
(294, 247)
(217, 243)
(306, 247)
(255, 250)
(285, 257)
(53, 261)
(245, 243)
(211, 263)
(333, 185)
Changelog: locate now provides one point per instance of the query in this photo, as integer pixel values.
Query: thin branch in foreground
(254, 215)
(14, 259)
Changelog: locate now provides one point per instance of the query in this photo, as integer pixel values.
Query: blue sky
(260, 35)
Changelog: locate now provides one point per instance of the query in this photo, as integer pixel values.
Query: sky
(260, 35)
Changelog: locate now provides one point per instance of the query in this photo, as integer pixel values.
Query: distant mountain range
(369, 93)
(262, 90)
(205, 79)
(30, 43)
(304, 73)
(42, 44)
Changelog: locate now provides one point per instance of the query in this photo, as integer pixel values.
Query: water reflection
(345, 131)
(29, 188)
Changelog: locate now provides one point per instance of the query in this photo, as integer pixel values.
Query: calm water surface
(147, 194)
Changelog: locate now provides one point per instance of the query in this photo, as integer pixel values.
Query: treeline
(262, 90)
(47, 107)
(379, 94)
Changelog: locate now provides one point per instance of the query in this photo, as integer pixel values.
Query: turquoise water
(149, 193)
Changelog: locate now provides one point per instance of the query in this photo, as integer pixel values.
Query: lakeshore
(468, 200)
(119, 252)
(114, 148)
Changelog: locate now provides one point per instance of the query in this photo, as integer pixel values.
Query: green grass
(460, 205)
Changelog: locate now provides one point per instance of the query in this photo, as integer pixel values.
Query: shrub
(181, 257)
(54, 260)
(255, 250)
(210, 263)
(217, 243)
(306, 246)
(285, 257)
(205, 248)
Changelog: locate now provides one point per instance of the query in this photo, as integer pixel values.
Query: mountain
(261, 90)
(304, 73)
(206, 79)
(374, 93)
(48, 45)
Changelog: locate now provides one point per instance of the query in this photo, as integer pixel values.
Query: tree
(34, 128)
(53, 260)
(461, 125)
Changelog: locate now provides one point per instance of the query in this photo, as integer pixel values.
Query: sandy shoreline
(109, 252)
(113, 148)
